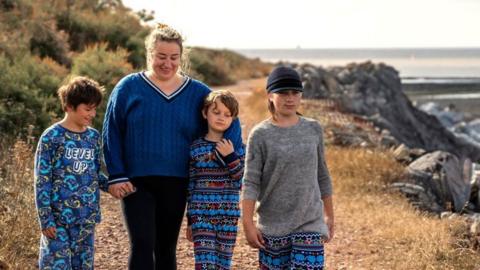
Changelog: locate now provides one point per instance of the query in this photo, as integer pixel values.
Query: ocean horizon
(451, 64)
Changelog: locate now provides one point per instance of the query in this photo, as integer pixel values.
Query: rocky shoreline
(440, 161)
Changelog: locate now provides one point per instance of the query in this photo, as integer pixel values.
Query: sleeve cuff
(116, 180)
(231, 158)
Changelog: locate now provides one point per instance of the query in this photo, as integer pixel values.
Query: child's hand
(121, 190)
(189, 234)
(50, 232)
(254, 236)
(331, 229)
(225, 147)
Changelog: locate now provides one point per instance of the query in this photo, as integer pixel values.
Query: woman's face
(165, 60)
(286, 102)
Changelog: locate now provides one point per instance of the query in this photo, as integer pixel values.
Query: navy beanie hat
(284, 78)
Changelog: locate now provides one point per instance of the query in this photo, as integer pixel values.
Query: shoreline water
(410, 62)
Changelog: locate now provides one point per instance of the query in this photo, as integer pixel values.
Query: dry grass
(19, 230)
(380, 230)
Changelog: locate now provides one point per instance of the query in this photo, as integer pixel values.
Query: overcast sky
(240, 24)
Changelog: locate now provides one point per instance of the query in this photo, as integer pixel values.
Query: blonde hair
(163, 32)
(224, 96)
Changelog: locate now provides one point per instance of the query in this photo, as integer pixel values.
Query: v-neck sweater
(148, 133)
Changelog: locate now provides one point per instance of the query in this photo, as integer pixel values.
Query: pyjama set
(213, 203)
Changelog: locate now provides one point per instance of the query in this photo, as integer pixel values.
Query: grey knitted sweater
(285, 172)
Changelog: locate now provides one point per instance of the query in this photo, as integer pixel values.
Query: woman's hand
(225, 147)
(253, 236)
(189, 234)
(121, 190)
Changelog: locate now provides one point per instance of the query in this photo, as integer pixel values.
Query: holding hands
(50, 232)
(189, 234)
(121, 190)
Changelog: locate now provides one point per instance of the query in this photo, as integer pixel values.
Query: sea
(447, 76)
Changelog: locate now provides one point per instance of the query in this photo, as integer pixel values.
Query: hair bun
(162, 25)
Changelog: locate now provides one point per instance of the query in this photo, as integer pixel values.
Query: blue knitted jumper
(215, 181)
(147, 133)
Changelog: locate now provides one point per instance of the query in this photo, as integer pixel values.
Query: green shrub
(222, 67)
(27, 94)
(118, 29)
(47, 42)
(106, 67)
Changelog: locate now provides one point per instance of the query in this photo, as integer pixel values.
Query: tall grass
(380, 229)
(19, 230)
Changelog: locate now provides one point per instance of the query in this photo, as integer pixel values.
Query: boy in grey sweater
(285, 172)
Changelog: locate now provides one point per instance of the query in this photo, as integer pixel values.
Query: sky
(267, 24)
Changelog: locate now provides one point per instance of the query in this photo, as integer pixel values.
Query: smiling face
(286, 102)
(165, 60)
(82, 116)
(218, 116)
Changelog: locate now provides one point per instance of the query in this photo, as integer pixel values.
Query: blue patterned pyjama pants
(213, 241)
(73, 248)
(302, 250)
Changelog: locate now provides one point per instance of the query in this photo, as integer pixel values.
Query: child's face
(286, 102)
(83, 115)
(218, 116)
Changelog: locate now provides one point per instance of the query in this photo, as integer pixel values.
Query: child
(216, 172)
(285, 172)
(67, 180)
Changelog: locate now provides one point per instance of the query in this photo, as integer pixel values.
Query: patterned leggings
(71, 249)
(295, 251)
(213, 241)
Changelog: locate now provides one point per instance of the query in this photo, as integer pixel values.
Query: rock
(445, 214)
(375, 91)
(445, 115)
(388, 141)
(475, 228)
(441, 174)
(419, 196)
(406, 155)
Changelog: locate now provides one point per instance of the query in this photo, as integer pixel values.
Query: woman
(285, 172)
(152, 118)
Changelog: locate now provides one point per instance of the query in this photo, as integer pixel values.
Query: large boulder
(442, 182)
(375, 91)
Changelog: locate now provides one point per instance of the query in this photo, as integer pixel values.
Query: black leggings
(153, 216)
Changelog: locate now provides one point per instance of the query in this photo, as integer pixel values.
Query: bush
(27, 96)
(104, 66)
(47, 42)
(118, 29)
(223, 67)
